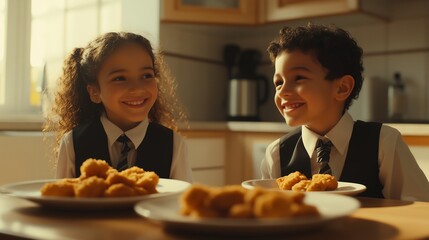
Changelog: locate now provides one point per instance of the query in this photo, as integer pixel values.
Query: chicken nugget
(116, 177)
(301, 186)
(250, 196)
(330, 182)
(132, 170)
(243, 210)
(299, 210)
(273, 205)
(93, 167)
(287, 182)
(194, 198)
(224, 198)
(148, 180)
(91, 187)
(119, 190)
(58, 189)
(316, 186)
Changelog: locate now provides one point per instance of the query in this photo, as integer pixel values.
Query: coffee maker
(247, 90)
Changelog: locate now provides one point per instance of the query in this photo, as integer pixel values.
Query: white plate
(30, 190)
(344, 188)
(166, 211)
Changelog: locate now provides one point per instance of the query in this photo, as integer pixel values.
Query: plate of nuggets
(99, 187)
(235, 210)
(298, 182)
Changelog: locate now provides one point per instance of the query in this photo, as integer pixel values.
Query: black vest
(155, 153)
(361, 164)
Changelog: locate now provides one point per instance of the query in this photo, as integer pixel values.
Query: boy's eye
(119, 78)
(299, 77)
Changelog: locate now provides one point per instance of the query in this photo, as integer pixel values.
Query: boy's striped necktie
(323, 151)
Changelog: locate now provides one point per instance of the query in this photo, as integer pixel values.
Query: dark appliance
(247, 90)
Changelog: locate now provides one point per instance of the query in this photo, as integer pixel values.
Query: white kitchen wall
(25, 156)
(399, 45)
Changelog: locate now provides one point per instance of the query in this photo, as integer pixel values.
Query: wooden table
(376, 219)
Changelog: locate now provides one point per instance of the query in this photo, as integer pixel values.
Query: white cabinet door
(207, 159)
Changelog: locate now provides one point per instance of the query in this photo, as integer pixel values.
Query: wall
(25, 156)
(399, 45)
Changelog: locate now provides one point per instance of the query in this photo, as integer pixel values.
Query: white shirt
(180, 168)
(399, 172)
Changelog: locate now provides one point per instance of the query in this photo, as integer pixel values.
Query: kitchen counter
(35, 124)
(408, 129)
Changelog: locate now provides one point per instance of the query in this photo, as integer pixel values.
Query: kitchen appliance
(247, 89)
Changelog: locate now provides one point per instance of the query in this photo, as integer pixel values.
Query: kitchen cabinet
(251, 12)
(283, 10)
(206, 155)
(245, 153)
(210, 11)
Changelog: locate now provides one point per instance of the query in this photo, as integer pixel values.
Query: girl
(117, 88)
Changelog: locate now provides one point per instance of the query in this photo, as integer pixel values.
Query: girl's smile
(127, 86)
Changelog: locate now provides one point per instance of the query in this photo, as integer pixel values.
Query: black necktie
(123, 160)
(323, 150)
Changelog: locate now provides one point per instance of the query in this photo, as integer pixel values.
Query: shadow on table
(346, 228)
(376, 203)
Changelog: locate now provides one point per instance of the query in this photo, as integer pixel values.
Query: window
(2, 47)
(35, 37)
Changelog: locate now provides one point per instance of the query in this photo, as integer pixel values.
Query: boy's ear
(344, 86)
(94, 93)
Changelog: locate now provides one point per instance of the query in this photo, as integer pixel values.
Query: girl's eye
(148, 76)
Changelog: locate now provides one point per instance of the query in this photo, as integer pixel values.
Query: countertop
(409, 129)
(35, 124)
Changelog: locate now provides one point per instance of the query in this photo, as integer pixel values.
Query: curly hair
(334, 48)
(72, 105)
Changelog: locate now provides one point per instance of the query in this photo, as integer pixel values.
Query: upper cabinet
(254, 12)
(211, 11)
(284, 10)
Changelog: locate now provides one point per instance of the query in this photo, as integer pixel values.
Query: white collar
(339, 135)
(136, 135)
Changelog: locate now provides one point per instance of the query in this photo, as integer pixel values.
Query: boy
(318, 73)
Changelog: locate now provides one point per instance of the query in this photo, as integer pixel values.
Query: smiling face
(127, 86)
(303, 95)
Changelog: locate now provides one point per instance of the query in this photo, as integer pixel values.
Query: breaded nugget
(329, 181)
(194, 199)
(273, 204)
(287, 182)
(196, 196)
(91, 187)
(115, 177)
(93, 167)
(58, 189)
(301, 186)
(224, 198)
(237, 202)
(250, 196)
(243, 210)
(148, 180)
(299, 210)
(120, 190)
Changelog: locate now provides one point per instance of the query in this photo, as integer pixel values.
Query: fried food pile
(298, 182)
(98, 179)
(234, 201)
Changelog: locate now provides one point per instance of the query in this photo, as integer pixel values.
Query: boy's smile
(303, 95)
